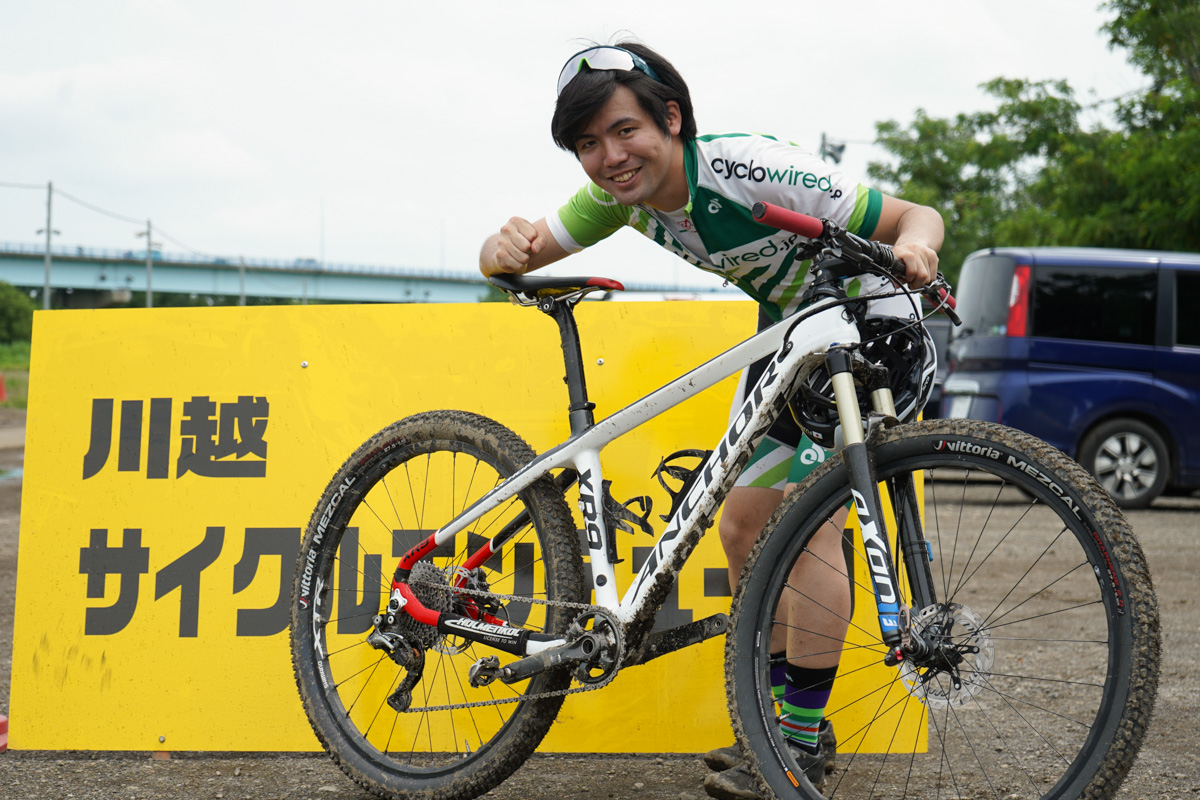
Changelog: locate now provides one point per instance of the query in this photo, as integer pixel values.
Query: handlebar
(857, 248)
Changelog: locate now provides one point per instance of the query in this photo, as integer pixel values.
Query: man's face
(627, 155)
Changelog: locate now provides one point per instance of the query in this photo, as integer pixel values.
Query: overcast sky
(399, 133)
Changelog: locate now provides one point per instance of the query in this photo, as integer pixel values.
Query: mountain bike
(1011, 649)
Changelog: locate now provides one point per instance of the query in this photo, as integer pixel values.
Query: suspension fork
(910, 533)
(914, 549)
(867, 503)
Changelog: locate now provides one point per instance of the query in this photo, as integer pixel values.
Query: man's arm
(916, 233)
(521, 246)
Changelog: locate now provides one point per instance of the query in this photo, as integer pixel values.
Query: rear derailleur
(406, 653)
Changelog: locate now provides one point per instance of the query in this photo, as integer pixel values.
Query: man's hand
(515, 249)
(915, 234)
(920, 263)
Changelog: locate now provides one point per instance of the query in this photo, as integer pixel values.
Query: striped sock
(804, 699)
(778, 675)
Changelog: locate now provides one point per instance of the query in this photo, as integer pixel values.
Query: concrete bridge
(106, 276)
(97, 277)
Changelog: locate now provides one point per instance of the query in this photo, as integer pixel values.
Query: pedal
(484, 671)
(672, 639)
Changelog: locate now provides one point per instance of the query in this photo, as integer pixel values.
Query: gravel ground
(1166, 769)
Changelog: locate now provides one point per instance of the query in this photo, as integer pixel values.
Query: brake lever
(939, 295)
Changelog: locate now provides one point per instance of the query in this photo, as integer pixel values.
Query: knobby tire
(1060, 706)
(400, 486)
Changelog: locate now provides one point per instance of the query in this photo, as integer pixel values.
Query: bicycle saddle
(534, 285)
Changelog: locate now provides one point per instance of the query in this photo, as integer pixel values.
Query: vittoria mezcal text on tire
(397, 489)
(1045, 629)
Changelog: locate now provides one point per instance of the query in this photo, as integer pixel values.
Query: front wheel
(1044, 616)
(397, 489)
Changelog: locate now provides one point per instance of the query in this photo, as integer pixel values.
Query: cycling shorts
(786, 454)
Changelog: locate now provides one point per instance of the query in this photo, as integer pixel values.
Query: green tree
(978, 169)
(1162, 37)
(16, 314)
(1139, 185)
(1027, 174)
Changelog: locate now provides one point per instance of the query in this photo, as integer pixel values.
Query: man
(626, 114)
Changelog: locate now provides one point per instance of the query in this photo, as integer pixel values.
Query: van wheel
(1129, 459)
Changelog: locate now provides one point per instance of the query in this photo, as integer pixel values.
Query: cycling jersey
(726, 175)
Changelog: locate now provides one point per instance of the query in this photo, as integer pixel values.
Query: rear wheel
(1045, 620)
(397, 489)
(1129, 459)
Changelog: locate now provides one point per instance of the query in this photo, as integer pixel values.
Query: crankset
(594, 646)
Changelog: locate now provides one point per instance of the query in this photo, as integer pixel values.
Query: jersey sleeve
(589, 216)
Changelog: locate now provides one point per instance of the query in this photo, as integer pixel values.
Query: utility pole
(831, 151)
(149, 266)
(49, 231)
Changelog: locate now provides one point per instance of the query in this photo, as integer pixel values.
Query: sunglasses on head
(604, 57)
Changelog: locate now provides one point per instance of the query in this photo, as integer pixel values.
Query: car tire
(1129, 459)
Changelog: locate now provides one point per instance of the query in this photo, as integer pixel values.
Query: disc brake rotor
(964, 667)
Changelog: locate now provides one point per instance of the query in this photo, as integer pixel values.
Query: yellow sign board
(174, 456)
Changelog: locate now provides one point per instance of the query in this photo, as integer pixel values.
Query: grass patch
(14, 369)
(16, 389)
(14, 356)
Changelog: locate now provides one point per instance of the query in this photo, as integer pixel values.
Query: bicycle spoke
(1021, 676)
(400, 494)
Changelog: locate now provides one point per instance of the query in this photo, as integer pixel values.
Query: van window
(983, 294)
(1098, 305)
(1187, 308)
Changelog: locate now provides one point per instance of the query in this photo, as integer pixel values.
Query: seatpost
(580, 408)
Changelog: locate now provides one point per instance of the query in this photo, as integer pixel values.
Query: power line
(98, 209)
(159, 231)
(112, 214)
(22, 185)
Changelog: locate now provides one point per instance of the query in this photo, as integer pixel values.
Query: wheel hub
(960, 660)
(430, 586)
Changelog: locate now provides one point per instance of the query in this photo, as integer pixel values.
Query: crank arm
(585, 648)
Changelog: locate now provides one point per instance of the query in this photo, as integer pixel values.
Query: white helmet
(903, 346)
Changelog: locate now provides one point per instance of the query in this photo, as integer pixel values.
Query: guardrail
(306, 265)
(233, 262)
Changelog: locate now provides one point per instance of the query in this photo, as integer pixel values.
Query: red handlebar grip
(788, 220)
(947, 298)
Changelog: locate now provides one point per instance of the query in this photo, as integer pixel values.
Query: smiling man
(626, 115)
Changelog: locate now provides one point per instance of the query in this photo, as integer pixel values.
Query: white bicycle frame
(797, 347)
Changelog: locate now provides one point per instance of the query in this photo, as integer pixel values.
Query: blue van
(1096, 351)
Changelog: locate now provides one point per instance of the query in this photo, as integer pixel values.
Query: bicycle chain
(587, 687)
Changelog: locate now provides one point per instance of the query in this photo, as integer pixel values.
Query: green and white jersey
(727, 174)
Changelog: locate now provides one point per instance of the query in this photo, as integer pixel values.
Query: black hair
(584, 96)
